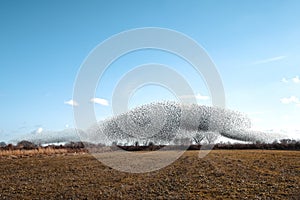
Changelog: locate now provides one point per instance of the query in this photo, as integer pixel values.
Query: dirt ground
(222, 174)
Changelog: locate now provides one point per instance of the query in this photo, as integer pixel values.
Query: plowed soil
(222, 174)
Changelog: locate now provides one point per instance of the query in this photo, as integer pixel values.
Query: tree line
(196, 143)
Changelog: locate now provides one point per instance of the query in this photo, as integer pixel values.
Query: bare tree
(198, 137)
(211, 137)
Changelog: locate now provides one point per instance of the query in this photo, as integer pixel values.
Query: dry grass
(22, 152)
(223, 174)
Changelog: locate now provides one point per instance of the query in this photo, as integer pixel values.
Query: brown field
(223, 174)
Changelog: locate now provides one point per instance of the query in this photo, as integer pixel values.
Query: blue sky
(254, 44)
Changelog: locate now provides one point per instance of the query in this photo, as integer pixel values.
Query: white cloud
(268, 60)
(296, 79)
(71, 103)
(201, 97)
(39, 130)
(197, 96)
(100, 101)
(291, 100)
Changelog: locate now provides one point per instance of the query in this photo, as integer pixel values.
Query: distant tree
(75, 145)
(24, 144)
(275, 142)
(285, 141)
(2, 144)
(211, 137)
(198, 137)
(293, 141)
(151, 144)
(10, 147)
